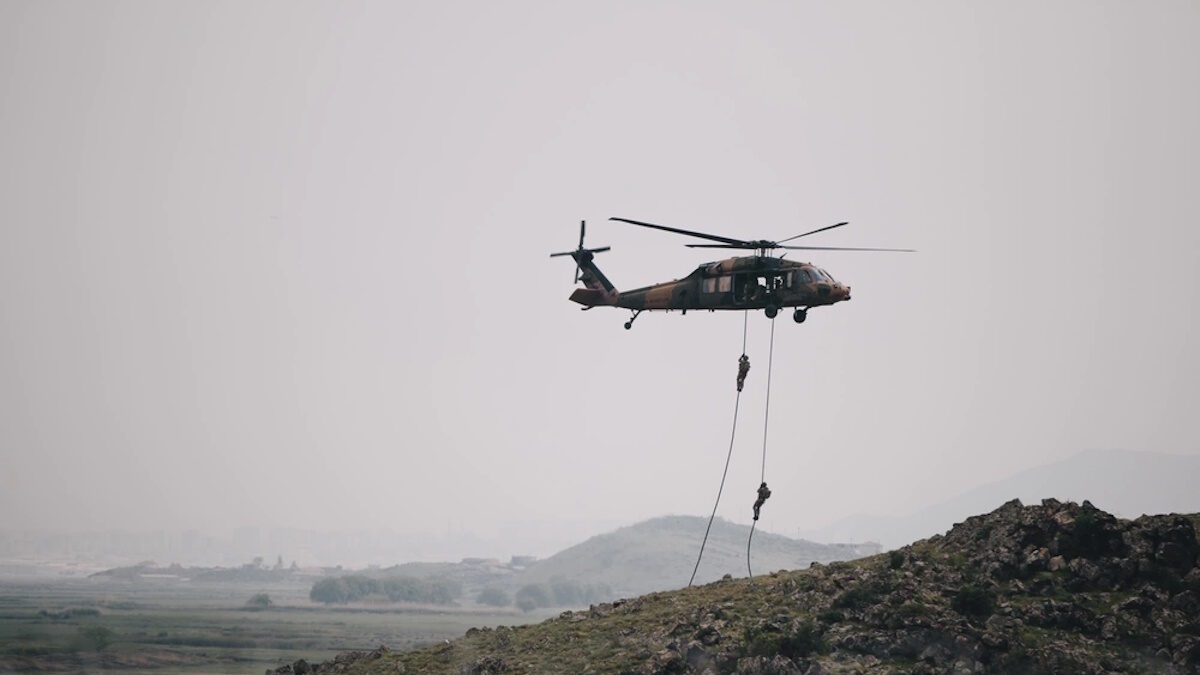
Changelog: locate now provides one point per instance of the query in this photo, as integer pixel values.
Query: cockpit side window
(803, 276)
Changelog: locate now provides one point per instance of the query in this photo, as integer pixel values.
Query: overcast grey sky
(286, 263)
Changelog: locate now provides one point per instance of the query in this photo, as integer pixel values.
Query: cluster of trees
(557, 593)
(259, 601)
(351, 588)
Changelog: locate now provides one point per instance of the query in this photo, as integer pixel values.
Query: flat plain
(87, 625)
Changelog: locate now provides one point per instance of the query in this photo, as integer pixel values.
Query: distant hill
(1121, 482)
(659, 554)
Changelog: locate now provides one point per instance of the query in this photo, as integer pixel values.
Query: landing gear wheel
(628, 325)
(771, 311)
(800, 315)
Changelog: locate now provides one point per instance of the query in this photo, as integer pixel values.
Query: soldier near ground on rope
(763, 493)
(743, 369)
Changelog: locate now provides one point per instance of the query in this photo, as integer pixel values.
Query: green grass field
(86, 626)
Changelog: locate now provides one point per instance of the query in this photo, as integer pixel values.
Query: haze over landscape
(284, 265)
(288, 381)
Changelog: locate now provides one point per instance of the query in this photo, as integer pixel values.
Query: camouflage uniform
(743, 368)
(763, 493)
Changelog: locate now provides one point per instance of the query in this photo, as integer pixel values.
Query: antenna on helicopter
(581, 254)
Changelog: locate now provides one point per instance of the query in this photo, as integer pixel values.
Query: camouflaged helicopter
(760, 281)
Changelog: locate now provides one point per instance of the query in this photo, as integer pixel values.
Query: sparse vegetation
(355, 587)
(70, 613)
(861, 595)
(494, 597)
(875, 615)
(99, 625)
(974, 600)
(1088, 537)
(532, 596)
(798, 641)
(94, 638)
(259, 601)
(560, 593)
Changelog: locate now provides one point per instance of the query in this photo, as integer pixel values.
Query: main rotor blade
(742, 245)
(846, 248)
(711, 237)
(820, 229)
(592, 250)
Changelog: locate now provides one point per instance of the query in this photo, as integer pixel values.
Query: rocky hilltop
(1052, 588)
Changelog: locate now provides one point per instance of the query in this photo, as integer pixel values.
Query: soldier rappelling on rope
(763, 493)
(743, 370)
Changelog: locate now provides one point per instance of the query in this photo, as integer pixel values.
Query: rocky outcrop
(1050, 588)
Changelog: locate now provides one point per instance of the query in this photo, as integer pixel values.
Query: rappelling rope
(766, 418)
(767, 413)
(748, 540)
(736, 403)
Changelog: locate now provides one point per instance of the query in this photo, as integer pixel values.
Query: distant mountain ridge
(659, 554)
(1125, 483)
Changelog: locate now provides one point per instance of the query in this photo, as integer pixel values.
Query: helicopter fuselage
(746, 282)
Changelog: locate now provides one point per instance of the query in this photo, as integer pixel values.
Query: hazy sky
(286, 263)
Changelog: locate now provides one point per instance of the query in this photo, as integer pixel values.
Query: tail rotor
(581, 254)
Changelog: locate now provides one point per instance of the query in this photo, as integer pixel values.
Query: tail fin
(598, 290)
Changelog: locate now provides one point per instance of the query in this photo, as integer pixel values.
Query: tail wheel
(800, 315)
(771, 311)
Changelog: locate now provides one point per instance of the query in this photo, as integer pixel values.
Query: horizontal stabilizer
(593, 296)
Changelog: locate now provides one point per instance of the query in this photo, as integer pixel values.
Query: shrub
(566, 592)
(532, 596)
(802, 639)
(831, 616)
(351, 588)
(402, 589)
(860, 596)
(494, 597)
(95, 637)
(259, 601)
(896, 560)
(330, 590)
(1088, 537)
(974, 600)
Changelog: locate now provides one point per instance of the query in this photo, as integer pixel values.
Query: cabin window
(724, 284)
(710, 285)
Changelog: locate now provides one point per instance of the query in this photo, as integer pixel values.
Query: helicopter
(760, 281)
